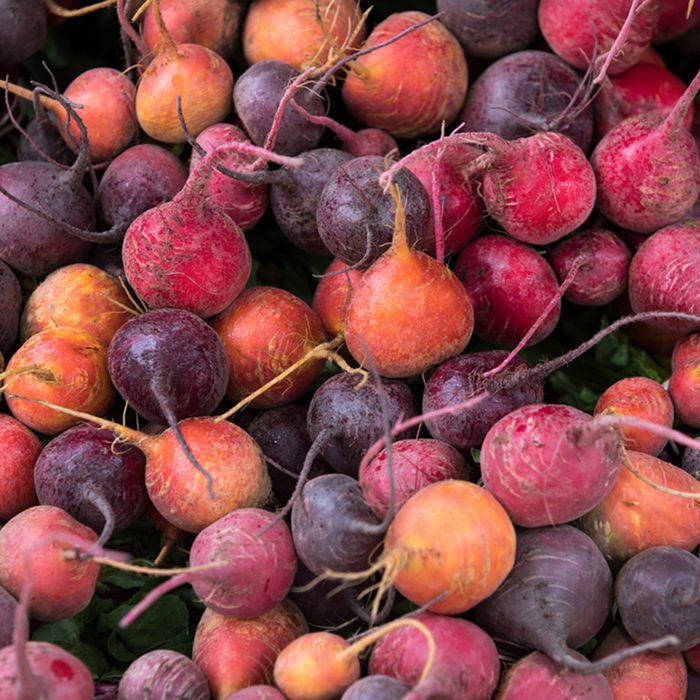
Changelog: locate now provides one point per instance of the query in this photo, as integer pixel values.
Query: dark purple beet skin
(355, 416)
(323, 605)
(490, 28)
(85, 461)
(168, 360)
(527, 92)
(332, 526)
(459, 378)
(353, 208)
(691, 461)
(282, 436)
(23, 29)
(8, 606)
(376, 687)
(42, 132)
(256, 96)
(658, 593)
(295, 198)
(138, 179)
(556, 597)
(29, 243)
(10, 307)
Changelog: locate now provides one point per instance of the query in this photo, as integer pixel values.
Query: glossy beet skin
(256, 96)
(332, 525)
(355, 215)
(85, 472)
(525, 92)
(415, 464)
(490, 28)
(459, 378)
(556, 597)
(509, 285)
(294, 199)
(355, 416)
(168, 364)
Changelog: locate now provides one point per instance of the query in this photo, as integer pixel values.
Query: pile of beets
(373, 490)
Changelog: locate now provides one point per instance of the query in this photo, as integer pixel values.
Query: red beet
(186, 255)
(603, 275)
(509, 285)
(648, 169)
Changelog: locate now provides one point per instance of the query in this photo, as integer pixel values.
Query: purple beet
(138, 179)
(691, 461)
(8, 607)
(524, 93)
(282, 436)
(168, 364)
(354, 415)
(256, 96)
(459, 378)
(42, 132)
(658, 593)
(294, 199)
(490, 28)
(326, 604)
(10, 307)
(47, 216)
(333, 527)
(163, 675)
(23, 29)
(556, 597)
(99, 483)
(376, 688)
(256, 692)
(355, 216)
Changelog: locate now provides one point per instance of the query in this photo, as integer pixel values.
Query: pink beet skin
(461, 206)
(466, 665)
(548, 464)
(186, 256)
(59, 674)
(416, 464)
(645, 87)
(243, 201)
(537, 676)
(539, 188)
(509, 285)
(603, 275)
(648, 175)
(664, 275)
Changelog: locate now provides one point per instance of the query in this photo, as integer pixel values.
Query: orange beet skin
(411, 86)
(410, 311)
